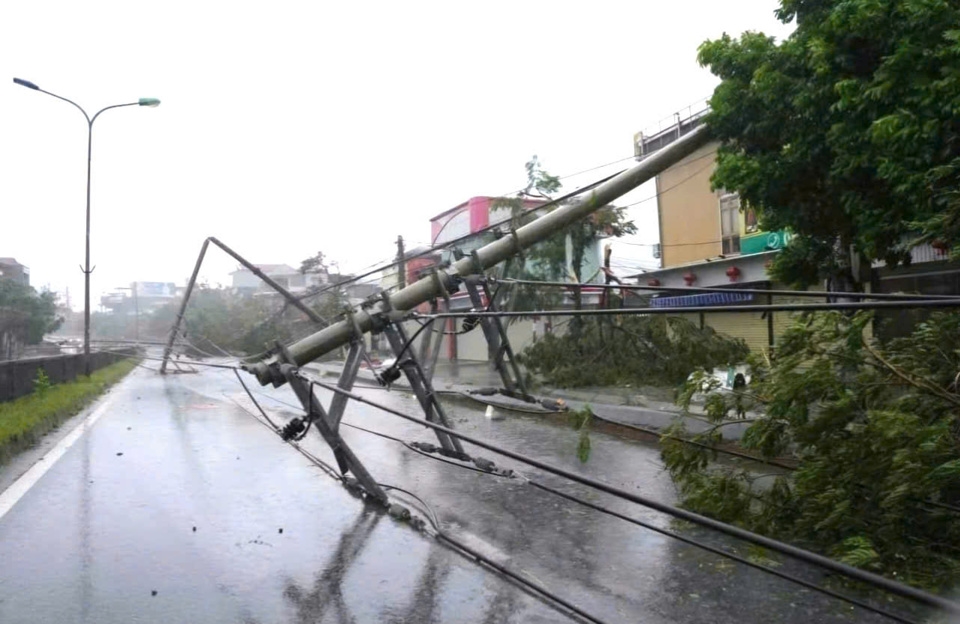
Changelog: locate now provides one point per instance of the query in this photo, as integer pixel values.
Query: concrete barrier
(17, 376)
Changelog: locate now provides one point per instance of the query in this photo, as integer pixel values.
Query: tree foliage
(219, 319)
(634, 350)
(875, 432)
(316, 263)
(25, 314)
(224, 319)
(562, 256)
(847, 132)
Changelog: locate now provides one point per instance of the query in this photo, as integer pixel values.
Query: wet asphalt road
(113, 522)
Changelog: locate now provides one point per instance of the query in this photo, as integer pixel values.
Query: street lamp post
(149, 102)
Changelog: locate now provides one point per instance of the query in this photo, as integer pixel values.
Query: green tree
(220, 319)
(550, 260)
(874, 432)
(316, 263)
(635, 350)
(26, 315)
(847, 132)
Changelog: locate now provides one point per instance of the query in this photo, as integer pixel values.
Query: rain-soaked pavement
(178, 506)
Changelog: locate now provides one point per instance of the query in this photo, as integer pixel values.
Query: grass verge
(25, 420)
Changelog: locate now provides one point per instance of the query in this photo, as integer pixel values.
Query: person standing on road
(739, 385)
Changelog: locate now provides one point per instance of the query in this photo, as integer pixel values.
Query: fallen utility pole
(423, 290)
(175, 330)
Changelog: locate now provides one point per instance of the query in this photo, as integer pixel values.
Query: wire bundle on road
(856, 574)
(820, 561)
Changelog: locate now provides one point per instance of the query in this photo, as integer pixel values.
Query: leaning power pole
(387, 315)
(442, 282)
(401, 264)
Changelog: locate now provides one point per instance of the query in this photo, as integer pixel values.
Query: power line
(727, 555)
(777, 307)
(189, 362)
(432, 516)
(459, 239)
(670, 244)
(869, 578)
(497, 224)
(565, 177)
(724, 289)
(692, 542)
(680, 183)
(435, 523)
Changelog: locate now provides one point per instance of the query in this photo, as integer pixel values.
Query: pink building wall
(469, 217)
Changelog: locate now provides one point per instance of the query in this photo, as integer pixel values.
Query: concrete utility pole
(339, 334)
(401, 263)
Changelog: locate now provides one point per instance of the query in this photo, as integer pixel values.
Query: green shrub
(875, 430)
(633, 350)
(25, 420)
(42, 383)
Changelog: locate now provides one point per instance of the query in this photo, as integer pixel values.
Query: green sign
(763, 241)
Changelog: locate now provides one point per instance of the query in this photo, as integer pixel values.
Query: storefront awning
(705, 299)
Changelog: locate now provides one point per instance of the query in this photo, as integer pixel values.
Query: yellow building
(707, 239)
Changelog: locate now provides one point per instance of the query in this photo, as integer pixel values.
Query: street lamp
(148, 102)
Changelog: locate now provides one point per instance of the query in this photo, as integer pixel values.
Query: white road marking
(10, 496)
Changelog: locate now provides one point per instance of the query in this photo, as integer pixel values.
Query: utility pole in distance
(401, 264)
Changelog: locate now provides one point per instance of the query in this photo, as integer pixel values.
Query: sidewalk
(625, 406)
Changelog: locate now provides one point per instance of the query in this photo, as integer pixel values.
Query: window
(750, 219)
(730, 223)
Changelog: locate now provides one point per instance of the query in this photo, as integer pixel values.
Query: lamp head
(151, 102)
(26, 83)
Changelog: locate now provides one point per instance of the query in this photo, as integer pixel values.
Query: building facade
(12, 270)
(707, 238)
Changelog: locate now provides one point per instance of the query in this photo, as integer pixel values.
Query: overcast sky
(292, 127)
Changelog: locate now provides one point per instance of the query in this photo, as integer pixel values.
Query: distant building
(12, 270)
(139, 296)
(297, 283)
(283, 274)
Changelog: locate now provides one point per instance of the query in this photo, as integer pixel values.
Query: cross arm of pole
(338, 334)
